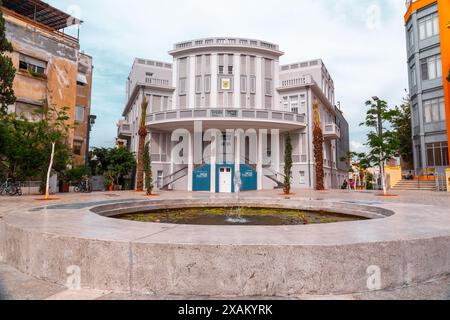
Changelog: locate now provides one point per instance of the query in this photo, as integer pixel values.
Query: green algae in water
(233, 216)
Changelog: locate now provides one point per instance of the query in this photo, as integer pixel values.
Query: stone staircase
(415, 185)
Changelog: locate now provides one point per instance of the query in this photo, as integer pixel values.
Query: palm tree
(288, 165)
(318, 147)
(142, 136)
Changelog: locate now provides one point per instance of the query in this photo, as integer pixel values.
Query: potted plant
(109, 181)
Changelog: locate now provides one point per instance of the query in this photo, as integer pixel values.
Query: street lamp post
(91, 122)
(380, 136)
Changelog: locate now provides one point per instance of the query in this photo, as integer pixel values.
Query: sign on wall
(225, 84)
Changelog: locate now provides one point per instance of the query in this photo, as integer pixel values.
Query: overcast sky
(362, 43)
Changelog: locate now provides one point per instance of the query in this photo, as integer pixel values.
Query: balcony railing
(124, 130)
(227, 42)
(295, 82)
(227, 114)
(331, 131)
(157, 82)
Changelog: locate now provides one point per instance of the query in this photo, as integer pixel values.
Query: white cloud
(361, 42)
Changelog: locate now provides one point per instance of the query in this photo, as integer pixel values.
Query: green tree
(7, 71)
(147, 166)
(288, 165)
(113, 163)
(401, 123)
(25, 146)
(382, 141)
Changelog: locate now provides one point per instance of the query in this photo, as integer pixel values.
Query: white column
(190, 161)
(213, 163)
(259, 165)
(175, 84)
(237, 152)
(275, 84)
(259, 84)
(275, 149)
(237, 81)
(191, 84)
(214, 66)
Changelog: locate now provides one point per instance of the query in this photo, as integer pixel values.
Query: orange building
(49, 66)
(428, 47)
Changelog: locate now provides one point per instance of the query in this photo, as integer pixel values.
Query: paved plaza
(418, 230)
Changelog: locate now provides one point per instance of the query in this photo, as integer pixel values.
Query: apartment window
(415, 116)
(411, 37)
(230, 69)
(32, 64)
(221, 64)
(243, 84)
(285, 103)
(207, 84)
(268, 87)
(77, 146)
(198, 84)
(413, 76)
(434, 110)
(82, 79)
(79, 114)
(429, 26)
(198, 65)
(252, 84)
(302, 103)
(243, 64)
(294, 104)
(431, 67)
(183, 86)
(437, 154)
(27, 111)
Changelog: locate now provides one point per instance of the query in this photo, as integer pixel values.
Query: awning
(82, 79)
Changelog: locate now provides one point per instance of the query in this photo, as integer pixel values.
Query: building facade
(219, 116)
(50, 68)
(428, 51)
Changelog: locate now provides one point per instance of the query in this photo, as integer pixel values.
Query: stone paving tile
(15, 285)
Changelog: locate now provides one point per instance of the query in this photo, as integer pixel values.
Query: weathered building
(49, 66)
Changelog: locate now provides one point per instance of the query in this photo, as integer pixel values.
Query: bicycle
(10, 188)
(83, 186)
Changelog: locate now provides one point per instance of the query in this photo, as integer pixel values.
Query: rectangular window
(434, 110)
(198, 65)
(208, 64)
(268, 87)
(77, 147)
(243, 84)
(294, 104)
(431, 67)
(244, 65)
(285, 103)
(252, 84)
(221, 64)
(32, 64)
(32, 113)
(183, 86)
(411, 37)
(252, 65)
(429, 26)
(79, 114)
(207, 84)
(437, 154)
(413, 77)
(198, 84)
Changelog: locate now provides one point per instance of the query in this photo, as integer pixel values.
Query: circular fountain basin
(244, 216)
(396, 243)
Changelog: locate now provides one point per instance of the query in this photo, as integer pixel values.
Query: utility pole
(91, 122)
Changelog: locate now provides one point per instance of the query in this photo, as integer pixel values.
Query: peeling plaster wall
(62, 57)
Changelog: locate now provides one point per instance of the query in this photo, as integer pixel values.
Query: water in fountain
(235, 214)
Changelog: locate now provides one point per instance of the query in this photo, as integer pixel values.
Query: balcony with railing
(233, 115)
(123, 130)
(232, 42)
(296, 82)
(331, 131)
